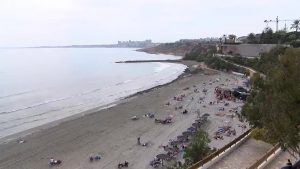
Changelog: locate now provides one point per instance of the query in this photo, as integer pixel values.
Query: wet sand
(113, 134)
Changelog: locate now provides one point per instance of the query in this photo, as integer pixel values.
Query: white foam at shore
(35, 115)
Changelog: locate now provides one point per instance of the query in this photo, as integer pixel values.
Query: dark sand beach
(113, 134)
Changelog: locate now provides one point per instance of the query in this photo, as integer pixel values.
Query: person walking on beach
(139, 141)
(289, 163)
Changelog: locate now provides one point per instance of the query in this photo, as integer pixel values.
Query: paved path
(279, 161)
(242, 156)
(251, 71)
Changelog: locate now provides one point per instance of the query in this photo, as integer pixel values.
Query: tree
(225, 38)
(275, 102)
(232, 38)
(198, 148)
(267, 36)
(296, 25)
(251, 38)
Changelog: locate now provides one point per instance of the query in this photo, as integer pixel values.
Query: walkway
(251, 71)
(279, 161)
(242, 156)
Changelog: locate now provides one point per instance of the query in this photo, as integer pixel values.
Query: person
(139, 141)
(98, 157)
(91, 158)
(120, 165)
(289, 163)
(126, 164)
(51, 161)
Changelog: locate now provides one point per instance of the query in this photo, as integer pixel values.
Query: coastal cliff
(177, 48)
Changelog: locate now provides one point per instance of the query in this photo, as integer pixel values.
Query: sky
(67, 22)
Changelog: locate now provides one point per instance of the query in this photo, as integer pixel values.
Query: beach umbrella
(170, 149)
(198, 120)
(163, 156)
(201, 120)
(187, 133)
(191, 129)
(196, 125)
(173, 143)
(181, 138)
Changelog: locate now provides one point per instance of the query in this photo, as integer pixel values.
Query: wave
(50, 101)
(29, 117)
(162, 66)
(124, 82)
(17, 125)
(33, 106)
(13, 95)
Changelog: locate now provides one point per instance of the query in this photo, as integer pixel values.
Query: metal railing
(218, 152)
(265, 157)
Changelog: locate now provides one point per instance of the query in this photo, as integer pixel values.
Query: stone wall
(246, 50)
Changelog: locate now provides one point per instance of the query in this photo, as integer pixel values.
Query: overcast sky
(65, 22)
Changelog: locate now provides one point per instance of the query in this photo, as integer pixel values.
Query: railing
(218, 152)
(265, 157)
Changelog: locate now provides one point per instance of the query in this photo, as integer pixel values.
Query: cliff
(177, 48)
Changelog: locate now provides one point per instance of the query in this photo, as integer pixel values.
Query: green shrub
(263, 135)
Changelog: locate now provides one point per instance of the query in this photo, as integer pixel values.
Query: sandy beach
(113, 134)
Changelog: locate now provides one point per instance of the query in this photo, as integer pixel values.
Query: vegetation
(281, 37)
(231, 38)
(268, 36)
(274, 104)
(262, 64)
(251, 38)
(198, 148)
(296, 25)
(263, 134)
(207, 56)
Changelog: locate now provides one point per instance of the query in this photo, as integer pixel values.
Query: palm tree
(296, 25)
(225, 38)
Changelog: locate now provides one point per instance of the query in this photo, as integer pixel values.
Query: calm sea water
(38, 86)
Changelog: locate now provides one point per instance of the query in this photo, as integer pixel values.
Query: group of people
(121, 165)
(96, 158)
(179, 98)
(53, 162)
(223, 94)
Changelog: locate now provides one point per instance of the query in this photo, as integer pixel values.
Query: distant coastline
(120, 44)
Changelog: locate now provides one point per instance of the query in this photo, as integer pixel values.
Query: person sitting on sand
(98, 157)
(289, 163)
(51, 161)
(91, 158)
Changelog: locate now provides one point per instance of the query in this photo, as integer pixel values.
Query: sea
(43, 85)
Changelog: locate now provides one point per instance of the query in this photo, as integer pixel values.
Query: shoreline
(20, 135)
(111, 132)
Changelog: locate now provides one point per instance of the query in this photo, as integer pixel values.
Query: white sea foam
(70, 82)
(162, 66)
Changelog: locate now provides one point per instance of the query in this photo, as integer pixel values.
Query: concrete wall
(247, 50)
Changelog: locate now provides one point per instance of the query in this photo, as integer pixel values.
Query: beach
(112, 133)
